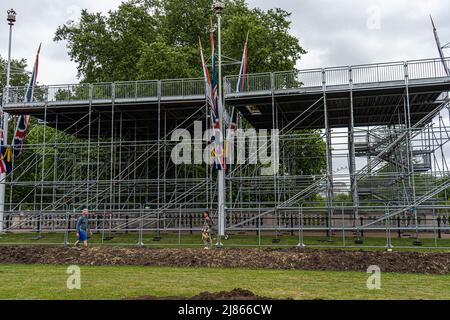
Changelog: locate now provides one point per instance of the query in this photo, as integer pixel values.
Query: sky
(335, 33)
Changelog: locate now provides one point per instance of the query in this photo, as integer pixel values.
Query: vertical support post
(119, 166)
(165, 159)
(362, 223)
(99, 132)
(329, 177)
(113, 94)
(410, 147)
(55, 159)
(158, 232)
(88, 182)
(389, 245)
(352, 157)
(301, 242)
(274, 126)
(439, 220)
(221, 173)
(5, 129)
(44, 151)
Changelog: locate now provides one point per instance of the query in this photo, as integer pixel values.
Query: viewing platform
(377, 91)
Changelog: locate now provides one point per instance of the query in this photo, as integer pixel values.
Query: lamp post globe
(11, 17)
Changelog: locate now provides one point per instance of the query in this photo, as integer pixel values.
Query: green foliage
(306, 153)
(174, 64)
(18, 75)
(158, 39)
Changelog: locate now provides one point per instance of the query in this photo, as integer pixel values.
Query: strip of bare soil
(333, 260)
(236, 294)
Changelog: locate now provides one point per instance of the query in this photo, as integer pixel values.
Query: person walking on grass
(207, 230)
(83, 228)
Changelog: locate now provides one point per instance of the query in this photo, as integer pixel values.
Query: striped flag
(24, 120)
(212, 95)
(216, 150)
(229, 151)
(215, 89)
(207, 79)
(243, 71)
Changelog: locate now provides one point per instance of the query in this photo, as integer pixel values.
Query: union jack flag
(5, 159)
(24, 120)
(214, 103)
(2, 147)
(220, 157)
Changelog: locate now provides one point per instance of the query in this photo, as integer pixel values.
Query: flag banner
(208, 89)
(24, 120)
(215, 89)
(20, 135)
(230, 123)
(223, 151)
(217, 106)
(5, 159)
(243, 70)
(229, 142)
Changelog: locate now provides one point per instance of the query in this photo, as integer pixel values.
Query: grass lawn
(118, 282)
(194, 240)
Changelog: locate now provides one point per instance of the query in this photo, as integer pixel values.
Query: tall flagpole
(440, 47)
(218, 6)
(441, 53)
(11, 20)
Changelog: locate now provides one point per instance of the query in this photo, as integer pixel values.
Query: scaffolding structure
(384, 130)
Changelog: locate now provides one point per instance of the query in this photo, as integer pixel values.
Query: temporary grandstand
(385, 128)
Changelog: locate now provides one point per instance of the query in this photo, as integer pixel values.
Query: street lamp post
(11, 21)
(218, 7)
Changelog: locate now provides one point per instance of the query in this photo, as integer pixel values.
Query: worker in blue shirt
(83, 228)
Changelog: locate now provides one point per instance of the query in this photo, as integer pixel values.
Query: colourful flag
(220, 157)
(24, 120)
(207, 79)
(229, 145)
(243, 71)
(5, 159)
(215, 89)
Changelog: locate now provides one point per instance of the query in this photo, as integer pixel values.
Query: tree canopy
(158, 39)
(18, 75)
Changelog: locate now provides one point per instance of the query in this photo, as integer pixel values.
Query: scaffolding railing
(313, 79)
(360, 75)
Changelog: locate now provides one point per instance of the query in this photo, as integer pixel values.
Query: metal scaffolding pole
(11, 21)
(122, 174)
(221, 173)
(410, 148)
(351, 147)
(329, 159)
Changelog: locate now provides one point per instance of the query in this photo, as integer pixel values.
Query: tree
(18, 75)
(158, 39)
(151, 66)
